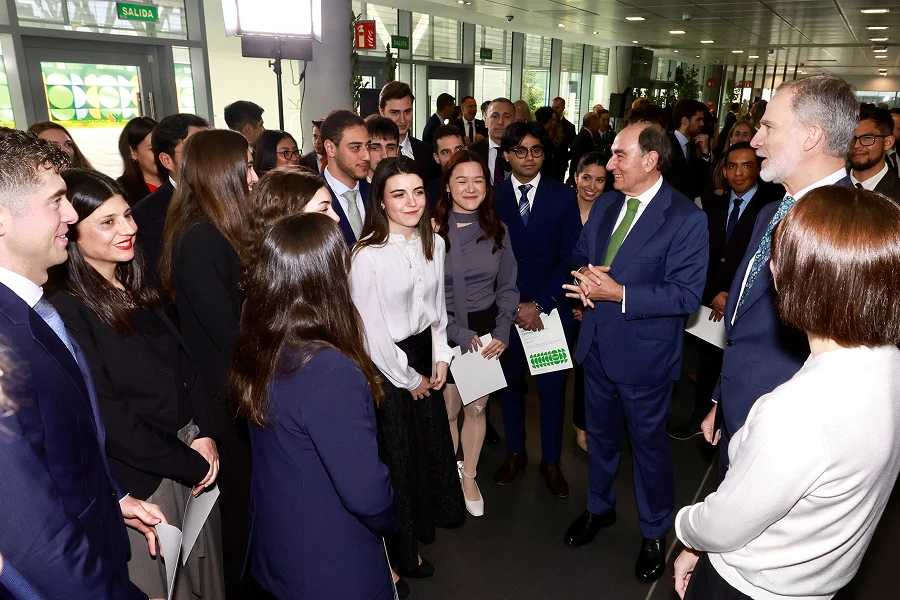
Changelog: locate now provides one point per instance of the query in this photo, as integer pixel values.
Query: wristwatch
(538, 307)
(575, 281)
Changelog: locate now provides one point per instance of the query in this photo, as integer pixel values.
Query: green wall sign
(137, 12)
(400, 42)
(487, 54)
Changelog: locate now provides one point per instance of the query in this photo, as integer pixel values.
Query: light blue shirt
(339, 189)
(747, 197)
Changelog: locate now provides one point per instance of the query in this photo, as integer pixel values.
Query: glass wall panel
(385, 24)
(100, 16)
(492, 76)
(892, 99)
(570, 80)
(536, 72)
(184, 80)
(599, 72)
(436, 38)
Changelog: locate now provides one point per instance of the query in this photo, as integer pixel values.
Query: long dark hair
(212, 186)
(376, 229)
(265, 157)
(79, 160)
(297, 298)
(487, 211)
(87, 190)
(132, 135)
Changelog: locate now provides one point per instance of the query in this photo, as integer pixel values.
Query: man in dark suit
(346, 142)
(384, 141)
(474, 130)
(584, 141)
(501, 114)
(730, 217)
(246, 118)
(690, 170)
(396, 103)
(315, 160)
(569, 130)
(448, 140)
(605, 134)
(653, 246)
(62, 510)
(543, 220)
(872, 141)
(730, 120)
(446, 106)
(167, 140)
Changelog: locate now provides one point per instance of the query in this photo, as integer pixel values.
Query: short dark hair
(502, 100)
(735, 106)
(882, 118)
(588, 118)
(602, 112)
(590, 158)
(445, 131)
(653, 138)
(171, 131)
(445, 100)
(895, 111)
(516, 132)
(243, 112)
(317, 123)
(395, 90)
(741, 146)
(649, 113)
(464, 98)
(686, 108)
(543, 115)
(382, 128)
(836, 265)
(337, 122)
(484, 105)
(22, 157)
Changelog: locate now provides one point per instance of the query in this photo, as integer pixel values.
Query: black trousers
(709, 367)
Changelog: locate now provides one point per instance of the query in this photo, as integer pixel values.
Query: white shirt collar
(830, 180)
(533, 183)
(872, 181)
(406, 147)
(492, 145)
(23, 287)
(681, 138)
(336, 186)
(172, 181)
(647, 196)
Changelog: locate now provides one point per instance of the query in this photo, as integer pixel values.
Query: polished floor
(516, 552)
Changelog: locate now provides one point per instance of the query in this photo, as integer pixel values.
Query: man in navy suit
(543, 221)
(446, 106)
(641, 268)
(346, 141)
(804, 136)
(396, 103)
(62, 511)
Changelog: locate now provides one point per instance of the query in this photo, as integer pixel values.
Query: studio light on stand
(275, 29)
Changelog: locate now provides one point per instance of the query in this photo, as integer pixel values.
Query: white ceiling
(818, 35)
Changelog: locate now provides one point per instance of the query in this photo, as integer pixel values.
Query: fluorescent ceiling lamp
(707, 41)
(676, 51)
(295, 19)
(561, 25)
(880, 50)
(737, 51)
(634, 42)
(875, 11)
(676, 32)
(876, 27)
(634, 18)
(753, 56)
(596, 32)
(878, 39)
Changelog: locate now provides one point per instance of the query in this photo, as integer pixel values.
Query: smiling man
(872, 141)
(501, 113)
(346, 141)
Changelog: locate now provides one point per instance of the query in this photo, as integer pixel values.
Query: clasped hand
(493, 349)
(594, 285)
(437, 381)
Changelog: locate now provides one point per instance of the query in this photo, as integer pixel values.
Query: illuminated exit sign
(137, 12)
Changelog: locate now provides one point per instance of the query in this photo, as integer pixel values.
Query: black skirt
(414, 442)
(481, 322)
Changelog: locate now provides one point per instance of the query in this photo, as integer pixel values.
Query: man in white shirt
(346, 142)
(396, 103)
(501, 114)
(868, 154)
(473, 129)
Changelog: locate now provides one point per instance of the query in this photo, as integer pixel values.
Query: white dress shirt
(466, 129)
(643, 200)
(21, 286)
(809, 479)
(406, 147)
(683, 141)
(339, 189)
(492, 157)
(871, 182)
(399, 294)
(531, 193)
(318, 162)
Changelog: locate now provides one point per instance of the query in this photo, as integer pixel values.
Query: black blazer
(311, 161)
(134, 193)
(889, 184)
(584, 143)
(424, 155)
(724, 257)
(150, 216)
(431, 126)
(482, 149)
(480, 128)
(137, 391)
(687, 175)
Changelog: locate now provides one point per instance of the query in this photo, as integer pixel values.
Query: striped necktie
(764, 252)
(524, 209)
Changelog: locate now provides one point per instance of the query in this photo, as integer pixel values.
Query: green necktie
(618, 236)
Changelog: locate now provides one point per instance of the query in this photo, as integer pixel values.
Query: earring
(382, 206)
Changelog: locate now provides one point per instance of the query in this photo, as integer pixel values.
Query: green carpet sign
(137, 12)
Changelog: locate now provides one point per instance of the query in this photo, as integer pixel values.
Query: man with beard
(690, 163)
(871, 143)
(346, 141)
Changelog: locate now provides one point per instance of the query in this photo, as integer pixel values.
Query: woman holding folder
(481, 293)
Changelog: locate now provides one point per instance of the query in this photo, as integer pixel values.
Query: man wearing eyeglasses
(543, 221)
(871, 142)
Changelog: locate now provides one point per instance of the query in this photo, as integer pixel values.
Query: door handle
(152, 103)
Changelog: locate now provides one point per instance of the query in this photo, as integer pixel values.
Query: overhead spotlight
(877, 27)
(875, 11)
(880, 50)
(676, 51)
(737, 51)
(753, 56)
(635, 42)
(634, 18)
(707, 41)
(563, 25)
(884, 39)
(698, 56)
(596, 32)
(677, 32)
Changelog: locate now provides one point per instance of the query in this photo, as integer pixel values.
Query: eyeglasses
(289, 154)
(522, 151)
(866, 140)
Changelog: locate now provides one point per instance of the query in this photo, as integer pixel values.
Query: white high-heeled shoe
(475, 507)
(459, 467)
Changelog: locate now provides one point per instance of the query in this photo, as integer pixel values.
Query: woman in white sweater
(814, 465)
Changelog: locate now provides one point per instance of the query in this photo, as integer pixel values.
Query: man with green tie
(640, 269)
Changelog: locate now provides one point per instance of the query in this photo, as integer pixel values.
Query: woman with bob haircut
(300, 375)
(397, 283)
(275, 148)
(813, 467)
(482, 297)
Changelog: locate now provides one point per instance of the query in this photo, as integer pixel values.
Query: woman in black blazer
(160, 424)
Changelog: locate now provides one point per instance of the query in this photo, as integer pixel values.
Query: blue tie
(52, 318)
(733, 218)
(523, 203)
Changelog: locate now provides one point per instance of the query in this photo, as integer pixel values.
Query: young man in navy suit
(62, 511)
(640, 265)
(543, 221)
(346, 141)
(396, 103)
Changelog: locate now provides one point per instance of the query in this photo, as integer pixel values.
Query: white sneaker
(475, 507)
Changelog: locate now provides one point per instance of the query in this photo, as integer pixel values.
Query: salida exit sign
(137, 12)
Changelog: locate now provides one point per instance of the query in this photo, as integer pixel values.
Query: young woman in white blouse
(813, 466)
(397, 283)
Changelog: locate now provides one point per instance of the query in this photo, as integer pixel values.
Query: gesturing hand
(142, 516)
(439, 377)
(494, 349)
(207, 449)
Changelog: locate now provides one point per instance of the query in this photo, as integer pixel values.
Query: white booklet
(546, 350)
(475, 375)
(699, 325)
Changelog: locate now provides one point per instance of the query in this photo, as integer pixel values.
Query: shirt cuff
(123, 497)
(623, 299)
(682, 514)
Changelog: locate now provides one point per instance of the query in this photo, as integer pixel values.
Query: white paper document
(699, 325)
(170, 543)
(475, 375)
(546, 350)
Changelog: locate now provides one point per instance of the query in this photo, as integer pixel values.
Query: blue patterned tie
(764, 252)
(46, 311)
(523, 203)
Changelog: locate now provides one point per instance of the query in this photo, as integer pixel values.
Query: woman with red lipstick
(160, 424)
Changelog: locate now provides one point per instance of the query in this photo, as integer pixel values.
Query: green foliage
(686, 84)
(356, 82)
(733, 94)
(532, 92)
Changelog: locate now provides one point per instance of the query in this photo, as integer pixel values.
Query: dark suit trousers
(709, 359)
(644, 409)
(552, 387)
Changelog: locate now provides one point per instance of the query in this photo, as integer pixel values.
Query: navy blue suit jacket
(662, 264)
(544, 248)
(344, 223)
(321, 497)
(62, 527)
(150, 216)
(761, 352)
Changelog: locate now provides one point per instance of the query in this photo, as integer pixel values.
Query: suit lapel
(344, 223)
(607, 223)
(44, 335)
(649, 222)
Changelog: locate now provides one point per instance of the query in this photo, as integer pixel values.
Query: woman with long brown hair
(59, 136)
(481, 293)
(397, 282)
(301, 377)
(200, 270)
(140, 176)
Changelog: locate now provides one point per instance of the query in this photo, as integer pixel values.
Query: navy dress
(321, 498)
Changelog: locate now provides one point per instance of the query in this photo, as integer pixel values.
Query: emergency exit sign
(137, 12)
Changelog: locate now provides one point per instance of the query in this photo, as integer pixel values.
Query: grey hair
(829, 102)
(653, 138)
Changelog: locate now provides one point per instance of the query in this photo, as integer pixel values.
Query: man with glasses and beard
(871, 142)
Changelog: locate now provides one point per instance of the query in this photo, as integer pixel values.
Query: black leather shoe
(556, 483)
(583, 530)
(651, 562)
(402, 588)
(685, 431)
(423, 571)
(515, 462)
(490, 434)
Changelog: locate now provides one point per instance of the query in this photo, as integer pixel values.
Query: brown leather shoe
(515, 462)
(556, 483)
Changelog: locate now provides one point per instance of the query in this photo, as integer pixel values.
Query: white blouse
(399, 293)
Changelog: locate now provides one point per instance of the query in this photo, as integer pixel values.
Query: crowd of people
(233, 315)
